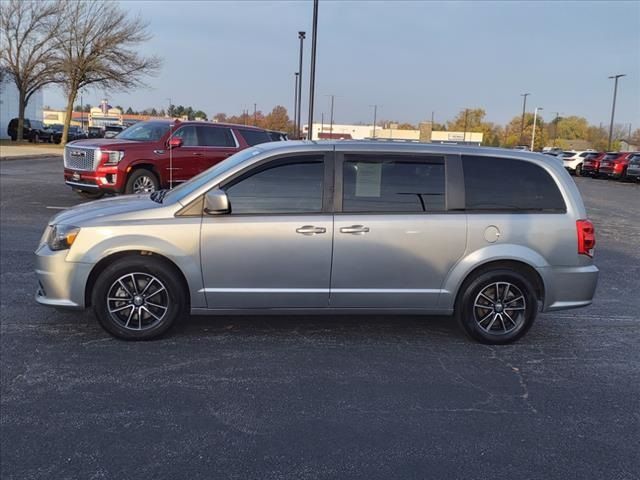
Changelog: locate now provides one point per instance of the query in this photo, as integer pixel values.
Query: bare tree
(28, 54)
(98, 47)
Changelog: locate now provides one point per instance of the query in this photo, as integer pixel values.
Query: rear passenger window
(393, 184)
(215, 137)
(254, 137)
(507, 184)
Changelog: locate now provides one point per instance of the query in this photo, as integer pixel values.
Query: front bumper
(60, 283)
(568, 287)
(105, 179)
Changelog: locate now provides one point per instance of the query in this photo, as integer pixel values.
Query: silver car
(490, 235)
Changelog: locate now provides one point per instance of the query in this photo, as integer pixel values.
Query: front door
(183, 162)
(273, 250)
(394, 243)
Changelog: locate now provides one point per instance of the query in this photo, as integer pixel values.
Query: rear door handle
(310, 230)
(355, 229)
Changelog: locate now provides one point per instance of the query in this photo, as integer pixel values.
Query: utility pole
(82, 115)
(375, 115)
(464, 137)
(321, 124)
(255, 115)
(312, 82)
(301, 36)
(555, 128)
(533, 135)
(613, 107)
(331, 117)
(295, 106)
(524, 106)
(432, 119)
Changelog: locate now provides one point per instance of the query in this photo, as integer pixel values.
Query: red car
(152, 155)
(615, 164)
(591, 163)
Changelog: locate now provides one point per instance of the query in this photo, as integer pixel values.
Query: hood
(132, 207)
(104, 142)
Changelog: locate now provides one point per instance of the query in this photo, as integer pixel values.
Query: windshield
(56, 127)
(36, 124)
(611, 156)
(205, 177)
(145, 132)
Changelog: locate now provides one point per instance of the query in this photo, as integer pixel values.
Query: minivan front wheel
(138, 298)
(497, 307)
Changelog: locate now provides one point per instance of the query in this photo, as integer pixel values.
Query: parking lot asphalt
(317, 397)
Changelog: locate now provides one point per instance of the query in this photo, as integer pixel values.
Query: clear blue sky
(410, 57)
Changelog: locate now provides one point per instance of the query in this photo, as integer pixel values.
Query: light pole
(375, 115)
(301, 36)
(524, 106)
(464, 137)
(613, 107)
(331, 116)
(295, 105)
(312, 82)
(555, 128)
(535, 117)
(255, 115)
(82, 115)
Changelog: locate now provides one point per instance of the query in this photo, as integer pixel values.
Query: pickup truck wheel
(497, 307)
(90, 195)
(138, 298)
(142, 181)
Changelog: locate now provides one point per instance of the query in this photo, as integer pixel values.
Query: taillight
(586, 237)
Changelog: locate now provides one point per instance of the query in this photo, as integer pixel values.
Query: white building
(9, 106)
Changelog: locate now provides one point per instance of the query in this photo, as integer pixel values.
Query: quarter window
(254, 137)
(294, 185)
(215, 137)
(393, 184)
(509, 184)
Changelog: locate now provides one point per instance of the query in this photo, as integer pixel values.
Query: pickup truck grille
(79, 158)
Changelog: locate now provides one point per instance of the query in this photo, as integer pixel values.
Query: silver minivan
(490, 235)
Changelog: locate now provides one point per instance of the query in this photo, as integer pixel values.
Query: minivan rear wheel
(138, 298)
(497, 307)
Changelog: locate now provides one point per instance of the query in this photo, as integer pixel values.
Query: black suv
(75, 133)
(34, 130)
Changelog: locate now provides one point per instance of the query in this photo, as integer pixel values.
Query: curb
(39, 156)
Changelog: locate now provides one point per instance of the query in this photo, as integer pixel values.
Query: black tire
(475, 319)
(35, 138)
(579, 170)
(90, 195)
(166, 290)
(139, 177)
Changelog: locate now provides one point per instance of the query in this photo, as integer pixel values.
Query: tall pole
(555, 128)
(524, 107)
(301, 36)
(629, 136)
(82, 116)
(533, 135)
(312, 83)
(321, 124)
(432, 119)
(295, 107)
(464, 138)
(331, 118)
(613, 107)
(255, 115)
(375, 116)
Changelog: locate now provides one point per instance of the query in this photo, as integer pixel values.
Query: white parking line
(56, 208)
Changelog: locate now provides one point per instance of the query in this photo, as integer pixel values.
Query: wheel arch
(146, 165)
(104, 262)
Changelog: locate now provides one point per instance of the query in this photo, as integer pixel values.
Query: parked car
(95, 132)
(152, 155)
(552, 150)
(111, 131)
(33, 130)
(277, 136)
(491, 235)
(573, 160)
(75, 133)
(591, 163)
(614, 165)
(633, 169)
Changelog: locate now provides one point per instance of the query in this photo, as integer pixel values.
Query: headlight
(111, 157)
(62, 237)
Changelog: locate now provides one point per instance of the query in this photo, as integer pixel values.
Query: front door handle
(310, 230)
(355, 229)
(198, 154)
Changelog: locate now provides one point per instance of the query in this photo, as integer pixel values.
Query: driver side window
(188, 136)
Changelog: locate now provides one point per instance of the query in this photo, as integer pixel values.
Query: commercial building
(391, 132)
(9, 106)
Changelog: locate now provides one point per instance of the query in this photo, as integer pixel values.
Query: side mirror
(216, 202)
(175, 142)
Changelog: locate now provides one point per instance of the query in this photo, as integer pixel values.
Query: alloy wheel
(144, 184)
(500, 308)
(137, 301)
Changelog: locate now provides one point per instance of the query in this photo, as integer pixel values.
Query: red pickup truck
(152, 155)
